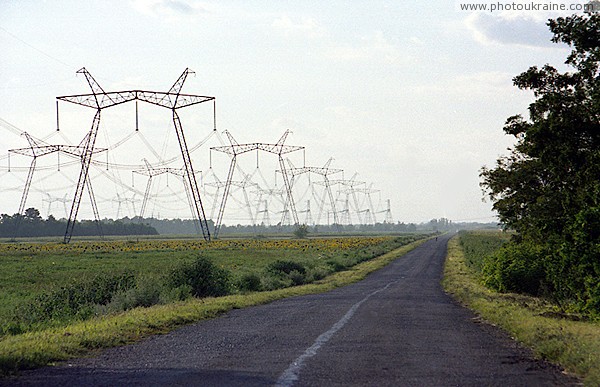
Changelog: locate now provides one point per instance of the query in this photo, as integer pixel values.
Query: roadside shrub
(271, 282)
(280, 274)
(336, 265)
(317, 273)
(203, 277)
(74, 301)
(515, 268)
(280, 267)
(478, 246)
(249, 283)
(146, 293)
(179, 293)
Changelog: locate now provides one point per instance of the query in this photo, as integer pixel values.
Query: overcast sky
(411, 96)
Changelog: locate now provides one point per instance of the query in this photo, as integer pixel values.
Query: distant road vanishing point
(395, 328)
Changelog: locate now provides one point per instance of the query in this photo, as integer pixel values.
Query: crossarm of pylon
(113, 98)
(236, 149)
(35, 152)
(171, 100)
(77, 150)
(317, 170)
(100, 101)
(279, 149)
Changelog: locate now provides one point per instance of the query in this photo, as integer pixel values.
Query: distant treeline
(31, 224)
(186, 226)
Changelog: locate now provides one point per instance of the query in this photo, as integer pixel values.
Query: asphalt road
(395, 328)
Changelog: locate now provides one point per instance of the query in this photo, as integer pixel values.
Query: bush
(301, 231)
(179, 293)
(515, 268)
(75, 301)
(249, 283)
(280, 267)
(202, 276)
(146, 293)
(280, 274)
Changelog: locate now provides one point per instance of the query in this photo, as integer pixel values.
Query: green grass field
(29, 271)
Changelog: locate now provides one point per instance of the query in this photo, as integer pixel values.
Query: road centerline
(290, 375)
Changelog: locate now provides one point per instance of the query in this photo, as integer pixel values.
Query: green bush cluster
(71, 302)
(282, 273)
(515, 268)
(118, 292)
(556, 271)
(202, 277)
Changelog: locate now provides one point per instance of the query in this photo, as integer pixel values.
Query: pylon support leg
(86, 158)
(225, 194)
(190, 176)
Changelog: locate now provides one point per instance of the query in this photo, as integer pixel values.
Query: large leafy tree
(548, 188)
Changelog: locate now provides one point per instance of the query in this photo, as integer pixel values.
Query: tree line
(548, 188)
(31, 224)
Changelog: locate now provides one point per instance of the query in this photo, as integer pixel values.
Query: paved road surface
(395, 328)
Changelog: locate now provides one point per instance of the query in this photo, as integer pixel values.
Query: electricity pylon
(172, 99)
(350, 190)
(235, 149)
(243, 184)
(370, 214)
(324, 171)
(38, 148)
(388, 212)
(151, 171)
(52, 199)
(270, 192)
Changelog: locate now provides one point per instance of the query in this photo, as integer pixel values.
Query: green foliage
(249, 282)
(552, 334)
(478, 246)
(70, 302)
(31, 224)
(515, 268)
(147, 292)
(547, 189)
(203, 277)
(301, 231)
(287, 272)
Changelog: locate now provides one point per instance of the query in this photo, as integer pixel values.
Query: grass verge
(575, 345)
(35, 349)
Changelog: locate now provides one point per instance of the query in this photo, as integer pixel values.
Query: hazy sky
(412, 96)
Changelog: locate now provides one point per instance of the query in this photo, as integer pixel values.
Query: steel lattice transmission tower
(370, 214)
(388, 212)
(236, 149)
(38, 148)
(172, 99)
(350, 189)
(324, 171)
(151, 171)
